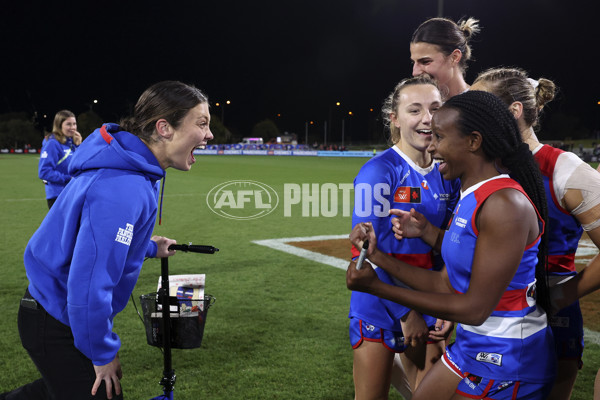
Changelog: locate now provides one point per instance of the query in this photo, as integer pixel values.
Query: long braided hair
(485, 113)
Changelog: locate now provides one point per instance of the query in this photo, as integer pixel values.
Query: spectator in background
(55, 157)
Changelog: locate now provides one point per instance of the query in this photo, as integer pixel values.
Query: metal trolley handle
(194, 248)
(168, 380)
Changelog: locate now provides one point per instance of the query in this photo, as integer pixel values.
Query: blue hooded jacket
(85, 258)
(54, 165)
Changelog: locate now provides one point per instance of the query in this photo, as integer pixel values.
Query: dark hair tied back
(169, 100)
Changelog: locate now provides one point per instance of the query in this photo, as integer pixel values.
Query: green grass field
(278, 328)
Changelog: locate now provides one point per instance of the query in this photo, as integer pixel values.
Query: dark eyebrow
(423, 59)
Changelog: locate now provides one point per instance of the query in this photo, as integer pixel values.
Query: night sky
(289, 61)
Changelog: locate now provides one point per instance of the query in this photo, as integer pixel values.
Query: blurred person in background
(57, 149)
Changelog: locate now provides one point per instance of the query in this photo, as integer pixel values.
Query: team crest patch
(407, 194)
(491, 358)
(124, 235)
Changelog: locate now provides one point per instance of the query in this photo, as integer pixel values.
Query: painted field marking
(282, 245)
(585, 249)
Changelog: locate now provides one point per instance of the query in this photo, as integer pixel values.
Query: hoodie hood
(111, 147)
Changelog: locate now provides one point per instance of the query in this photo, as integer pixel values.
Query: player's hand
(361, 232)
(441, 330)
(414, 328)
(360, 280)
(408, 224)
(111, 374)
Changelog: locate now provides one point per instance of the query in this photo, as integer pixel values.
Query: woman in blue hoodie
(56, 154)
(104, 224)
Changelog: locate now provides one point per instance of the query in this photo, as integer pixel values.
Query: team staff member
(494, 277)
(403, 176)
(83, 261)
(55, 157)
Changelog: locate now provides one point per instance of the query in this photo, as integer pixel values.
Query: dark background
(289, 61)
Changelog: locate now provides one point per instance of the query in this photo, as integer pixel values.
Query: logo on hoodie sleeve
(124, 235)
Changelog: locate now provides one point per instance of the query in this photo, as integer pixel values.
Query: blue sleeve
(373, 196)
(52, 153)
(111, 227)
(152, 249)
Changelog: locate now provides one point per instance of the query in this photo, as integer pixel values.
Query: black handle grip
(194, 248)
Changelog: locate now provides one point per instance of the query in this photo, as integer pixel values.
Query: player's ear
(475, 141)
(163, 128)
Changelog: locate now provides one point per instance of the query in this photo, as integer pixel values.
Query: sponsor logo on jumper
(426, 186)
(490, 358)
(404, 177)
(44, 154)
(445, 196)
(124, 235)
(455, 237)
(460, 222)
(407, 194)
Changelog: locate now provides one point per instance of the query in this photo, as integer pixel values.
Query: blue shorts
(477, 387)
(361, 330)
(567, 328)
(392, 340)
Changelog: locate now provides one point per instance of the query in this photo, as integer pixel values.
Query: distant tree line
(20, 130)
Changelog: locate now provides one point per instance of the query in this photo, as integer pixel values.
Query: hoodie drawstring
(162, 192)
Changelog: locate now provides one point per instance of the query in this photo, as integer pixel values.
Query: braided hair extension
(487, 114)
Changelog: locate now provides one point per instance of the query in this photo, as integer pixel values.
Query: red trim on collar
(105, 135)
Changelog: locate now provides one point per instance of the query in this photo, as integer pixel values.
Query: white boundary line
(591, 337)
(281, 245)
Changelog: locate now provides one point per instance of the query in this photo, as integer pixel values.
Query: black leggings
(66, 372)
